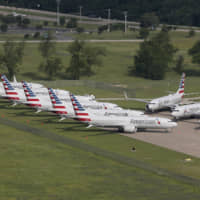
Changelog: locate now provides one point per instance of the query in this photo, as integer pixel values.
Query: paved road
(60, 41)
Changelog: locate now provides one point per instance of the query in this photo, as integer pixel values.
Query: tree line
(179, 12)
(152, 60)
(83, 58)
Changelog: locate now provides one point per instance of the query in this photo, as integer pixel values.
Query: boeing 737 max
(169, 101)
(125, 124)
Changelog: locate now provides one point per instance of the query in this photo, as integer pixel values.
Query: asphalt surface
(185, 138)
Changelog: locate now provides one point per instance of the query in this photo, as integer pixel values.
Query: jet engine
(129, 129)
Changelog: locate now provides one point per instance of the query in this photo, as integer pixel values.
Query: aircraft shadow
(153, 131)
(189, 121)
(197, 128)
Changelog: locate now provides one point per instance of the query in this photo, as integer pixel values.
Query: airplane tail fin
(181, 86)
(58, 105)
(32, 99)
(10, 91)
(80, 112)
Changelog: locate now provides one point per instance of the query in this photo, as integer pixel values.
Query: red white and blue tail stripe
(11, 93)
(182, 84)
(32, 99)
(80, 112)
(58, 105)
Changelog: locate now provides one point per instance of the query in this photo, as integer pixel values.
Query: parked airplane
(18, 14)
(11, 93)
(167, 101)
(17, 86)
(186, 111)
(125, 124)
(61, 108)
(67, 111)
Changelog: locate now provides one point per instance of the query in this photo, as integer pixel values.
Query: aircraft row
(173, 102)
(82, 108)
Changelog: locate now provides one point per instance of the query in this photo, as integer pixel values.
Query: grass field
(35, 167)
(107, 140)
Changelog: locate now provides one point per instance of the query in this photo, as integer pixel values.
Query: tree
(179, 64)
(149, 20)
(46, 46)
(143, 33)
(36, 35)
(153, 57)
(80, 30)
(12, 56)
(4, 28)
(191, 33)
(72, 23)
(83, 58)
(62, 20)
(25, 22)
(9, 19)
(195, 52)
(51, 66)
(102, 28)
(19, 20)
(45, 23)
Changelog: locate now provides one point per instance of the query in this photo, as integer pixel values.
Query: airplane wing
(140, 100)
(192, 93)
(136, 99)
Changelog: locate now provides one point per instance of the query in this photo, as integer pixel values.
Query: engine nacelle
(129, 129)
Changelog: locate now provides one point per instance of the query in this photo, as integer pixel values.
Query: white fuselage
(186, 111)
(131, 124)
(164, 102)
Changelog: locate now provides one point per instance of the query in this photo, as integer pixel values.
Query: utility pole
(125, 21)
(80, 13)
(58, 10)
(109, 15)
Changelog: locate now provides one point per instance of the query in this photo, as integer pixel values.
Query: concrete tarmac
(184, 138)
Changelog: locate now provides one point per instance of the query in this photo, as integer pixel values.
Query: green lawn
(34, 167)
(118, 59)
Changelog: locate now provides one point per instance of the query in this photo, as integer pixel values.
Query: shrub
(26, 36)
(36, 34)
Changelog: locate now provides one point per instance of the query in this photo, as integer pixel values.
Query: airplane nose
(174, 114)
(173, 124)
(148, 108)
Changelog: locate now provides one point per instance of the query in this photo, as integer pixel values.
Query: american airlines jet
(67, 111)
(17, 85)
(11, 93)
(124, 124)
(15, 92)
(186, 111)
(169, 101)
